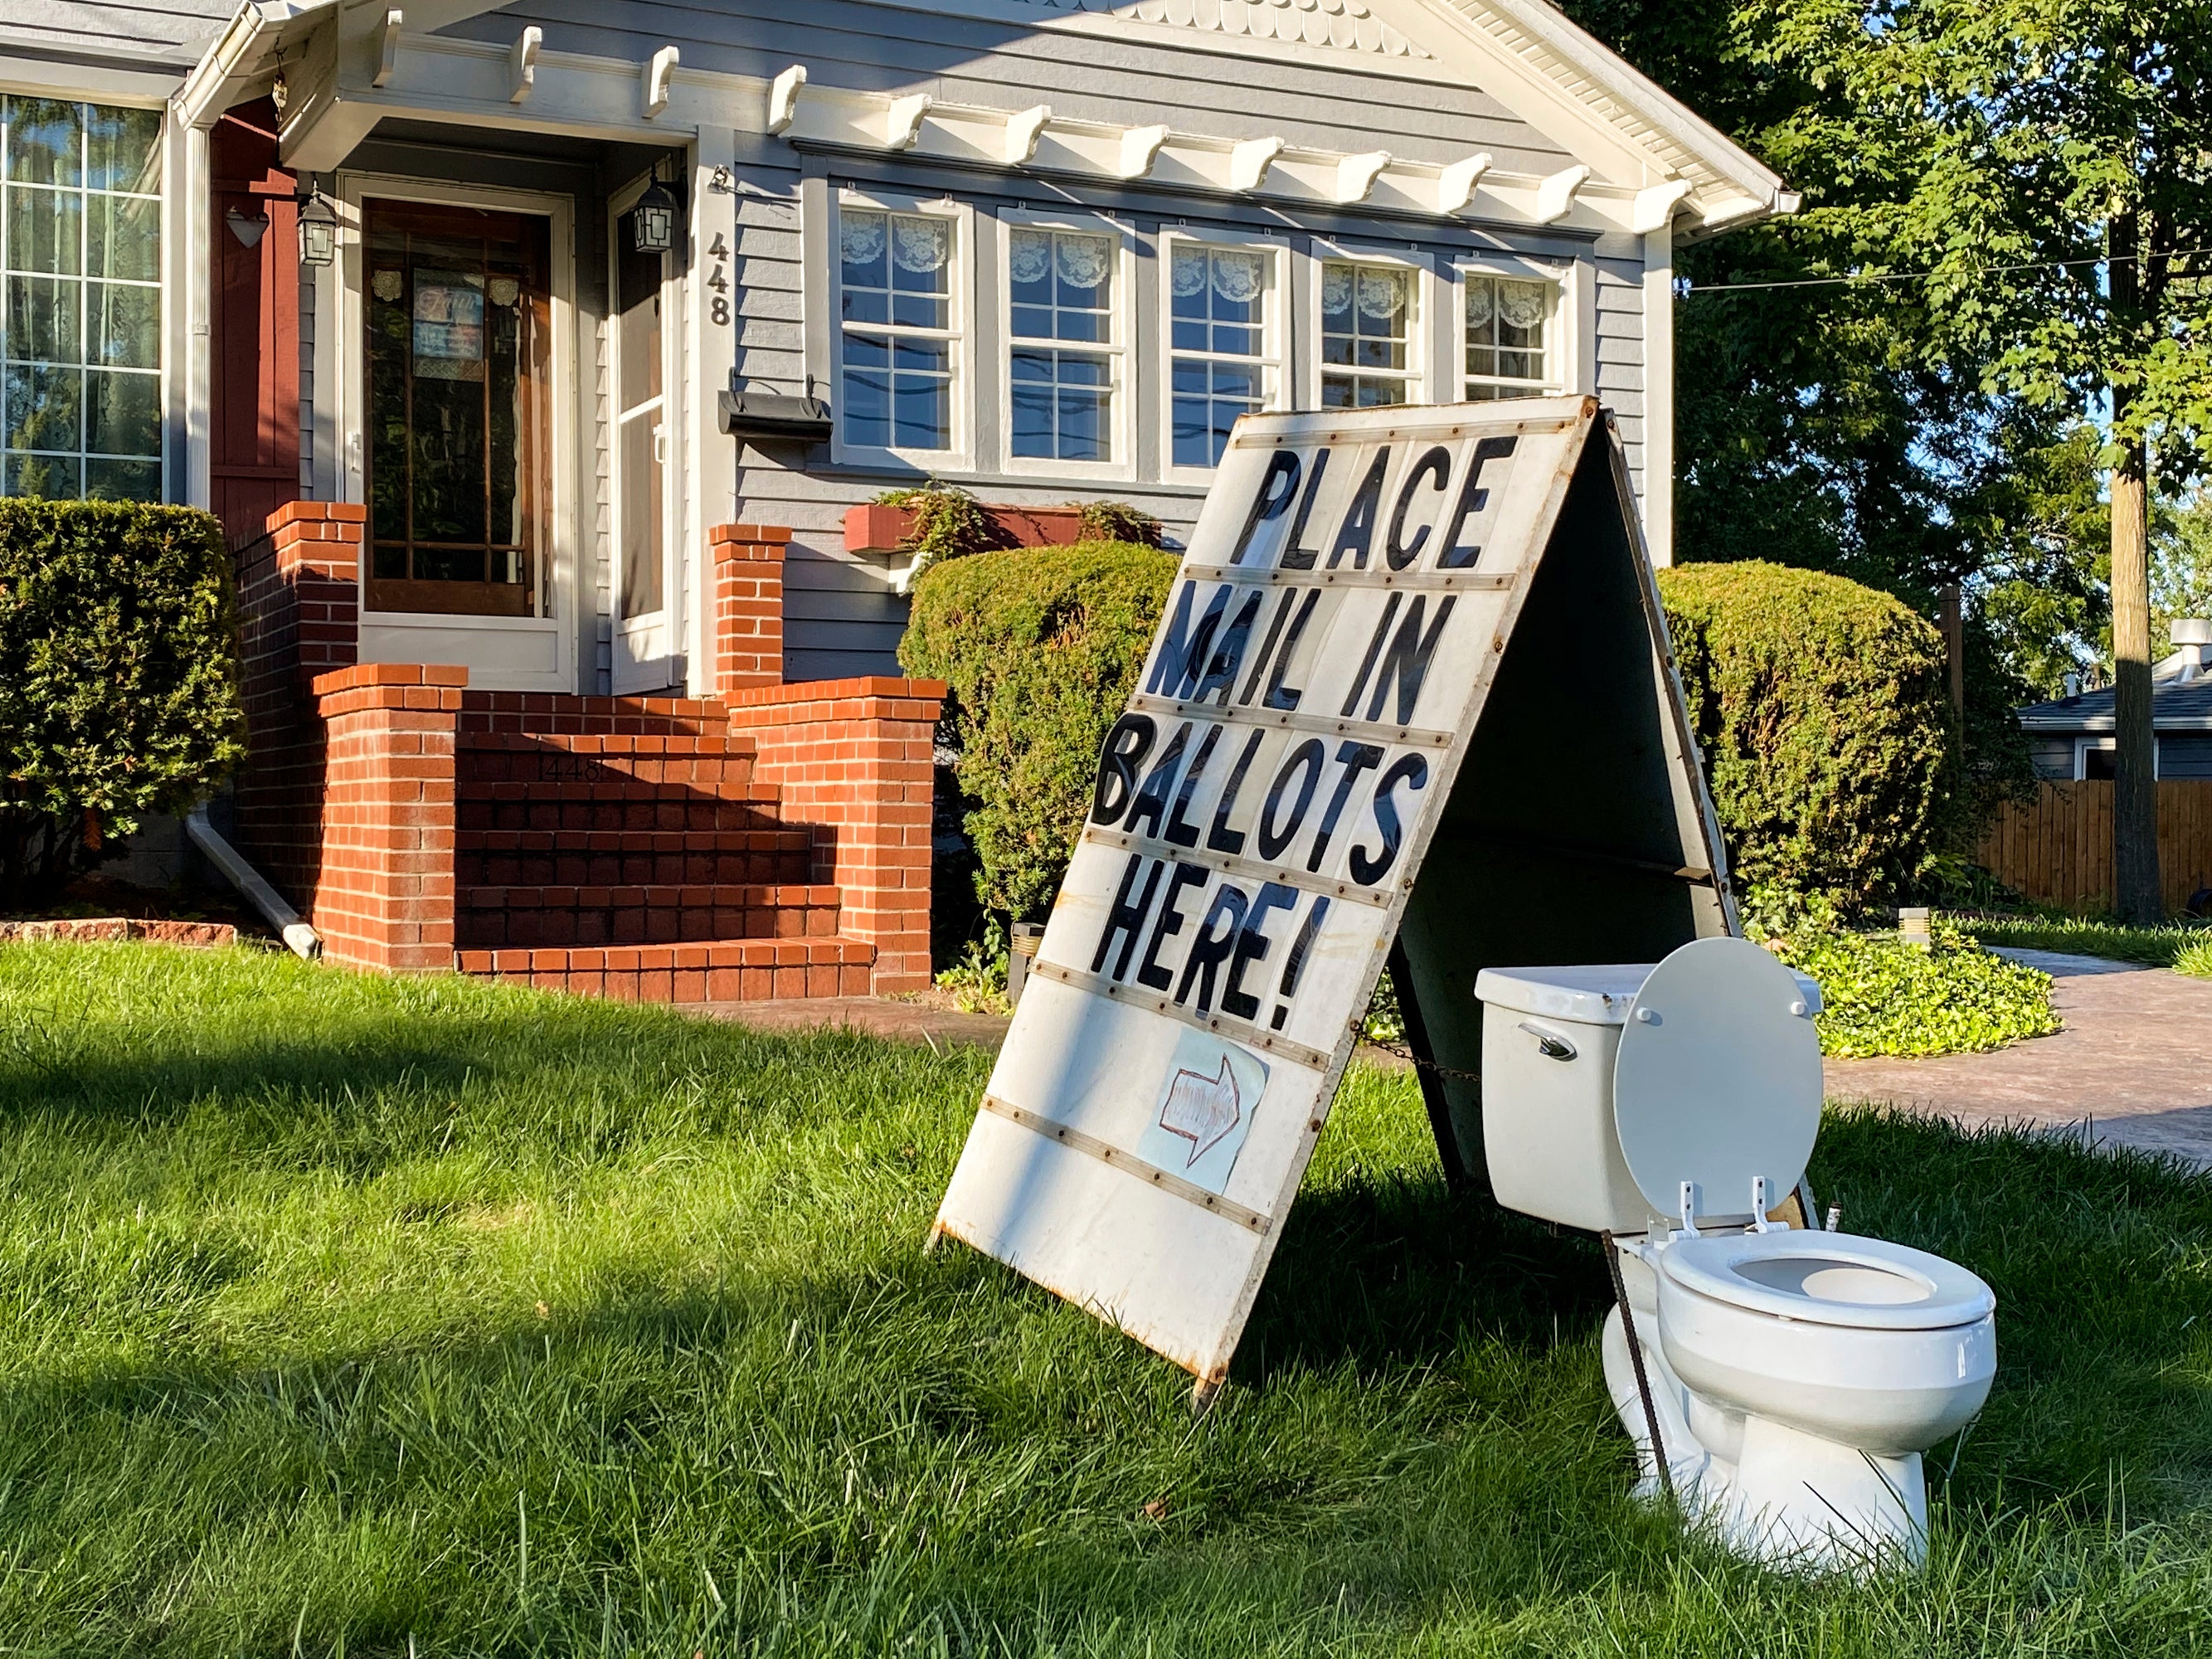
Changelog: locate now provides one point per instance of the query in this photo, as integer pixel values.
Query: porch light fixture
(652, 221)
(319, 230)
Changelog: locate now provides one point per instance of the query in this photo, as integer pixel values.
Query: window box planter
(874, 528)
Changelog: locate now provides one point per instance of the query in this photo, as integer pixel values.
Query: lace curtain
(1380, 293)
(917, 244)
(1080, 261)
(1521, 305)
(1236, 277)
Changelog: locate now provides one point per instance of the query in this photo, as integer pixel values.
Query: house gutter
(303, 940)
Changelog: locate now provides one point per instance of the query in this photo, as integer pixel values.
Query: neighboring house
(471, 299)
(2072, 738)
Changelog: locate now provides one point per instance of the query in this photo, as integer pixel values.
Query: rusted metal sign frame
(1120, 1109)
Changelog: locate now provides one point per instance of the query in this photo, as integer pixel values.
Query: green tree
(2049, 162)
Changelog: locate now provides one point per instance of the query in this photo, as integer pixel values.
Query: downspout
(305, 942)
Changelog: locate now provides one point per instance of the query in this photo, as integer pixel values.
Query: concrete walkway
(2132, 1068)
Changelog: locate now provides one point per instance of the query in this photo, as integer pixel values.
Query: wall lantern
(652, 221)
(319, 230)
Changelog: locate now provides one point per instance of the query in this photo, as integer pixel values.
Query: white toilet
(1795, 1376)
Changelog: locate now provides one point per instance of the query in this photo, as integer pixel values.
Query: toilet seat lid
(1830, 1279)
(1717, 1078)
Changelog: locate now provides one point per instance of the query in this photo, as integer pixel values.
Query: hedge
(119, 692)
(1040, 646)
(1820, 705)
(1823, 710)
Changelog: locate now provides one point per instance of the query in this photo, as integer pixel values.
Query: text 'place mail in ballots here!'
(1260, 811)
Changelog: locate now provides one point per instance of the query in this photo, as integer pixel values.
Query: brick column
(384, 898)
(298, 610)
(852, 760)
(748, 634)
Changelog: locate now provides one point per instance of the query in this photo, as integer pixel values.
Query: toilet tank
(1549, 1035)
(1549, 1039)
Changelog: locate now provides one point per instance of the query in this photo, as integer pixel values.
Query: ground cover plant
(349, 1315)
(1881, 995)
(2183, 945)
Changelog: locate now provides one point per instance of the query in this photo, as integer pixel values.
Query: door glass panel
(637, 354)
(457, 313)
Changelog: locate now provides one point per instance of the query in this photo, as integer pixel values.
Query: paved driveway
(2132, 1068)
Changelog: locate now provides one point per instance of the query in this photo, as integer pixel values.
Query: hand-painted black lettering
(1413, 771)
(1277, 486)
(1221, 838)
(1407, 662)
(1166, 926)
(1252, 945)
(1289, 597)
(1357, 533)
(1151, 802)
(1354, 758)
(1280, 695)
(1228, 656)
(1210, 949)
(1294, 966)
(1296, 555)
(1127, 919)
(1473, 498)
(1374, 649)
(1307, 759)
(1179, 831)
(1184, 648)
(1435, 463)
(1126, 747)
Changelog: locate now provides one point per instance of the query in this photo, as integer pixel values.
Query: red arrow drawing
(1201, 1108)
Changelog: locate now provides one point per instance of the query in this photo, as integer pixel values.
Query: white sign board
(1261, 810)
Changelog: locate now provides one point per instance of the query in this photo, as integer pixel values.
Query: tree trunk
(2134, 795)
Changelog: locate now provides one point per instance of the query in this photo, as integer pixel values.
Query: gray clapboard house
(407, 254)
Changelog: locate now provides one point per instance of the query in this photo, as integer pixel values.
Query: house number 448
(718, 280)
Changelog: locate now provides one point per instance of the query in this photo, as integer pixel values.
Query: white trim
(959, 331)
(569, 617)
(646, 654)
(88, 84)
(1125, 373)
(1659, 395)
(1274, 356)
(1420, 373)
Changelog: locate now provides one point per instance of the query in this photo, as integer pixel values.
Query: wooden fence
(2057, 848)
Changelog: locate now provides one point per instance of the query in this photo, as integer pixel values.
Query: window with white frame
(1063, 343)
(1369, 349)
(80, 331)
(1510, 323)
(898, 350)
(1221, 357)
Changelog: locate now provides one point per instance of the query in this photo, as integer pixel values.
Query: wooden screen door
(459, 423)
(648, 654)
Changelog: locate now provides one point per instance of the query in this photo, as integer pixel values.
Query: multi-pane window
(1508, 322)
(895, 284)
(1060, 289)
(1366, 335)
(1219, 366)
(81, 333)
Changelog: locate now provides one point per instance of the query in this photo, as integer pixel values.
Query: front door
(457, 310)
(646, 655)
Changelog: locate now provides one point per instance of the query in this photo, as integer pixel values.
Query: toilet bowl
(1794, 1377)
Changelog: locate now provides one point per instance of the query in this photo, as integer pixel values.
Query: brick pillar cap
(387, 674)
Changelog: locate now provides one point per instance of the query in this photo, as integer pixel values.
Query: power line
(1864, 277)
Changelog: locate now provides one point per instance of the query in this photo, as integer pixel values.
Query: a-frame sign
(1412, 687)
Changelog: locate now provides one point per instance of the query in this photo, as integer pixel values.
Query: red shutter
(253, 416)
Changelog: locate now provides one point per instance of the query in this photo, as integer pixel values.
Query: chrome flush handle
(1550, 1044)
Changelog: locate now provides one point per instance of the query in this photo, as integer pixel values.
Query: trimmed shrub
(119, 691)
(1823, 712)
(1040, 646)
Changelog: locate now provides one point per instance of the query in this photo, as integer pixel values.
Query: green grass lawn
(343, 1315)
(2183, 945)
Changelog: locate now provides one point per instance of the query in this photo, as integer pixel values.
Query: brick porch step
(717, 970)
(497, 918)
(643, 858)
(628, 808)
(711, 763)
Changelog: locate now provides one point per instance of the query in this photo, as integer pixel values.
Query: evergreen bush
(1823, 710)
(119, 691)
(1040, 646)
